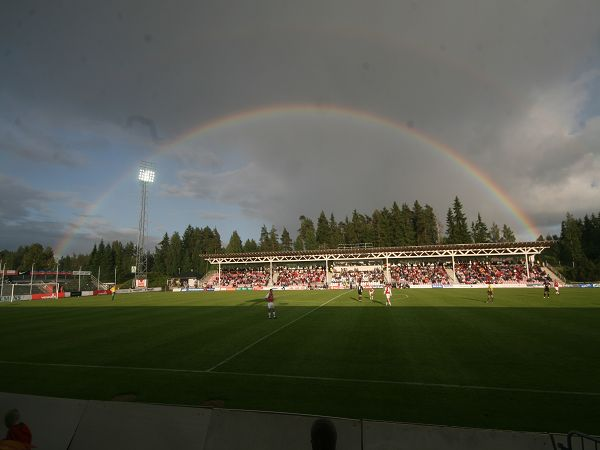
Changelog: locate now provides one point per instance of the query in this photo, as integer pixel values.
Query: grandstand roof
(422, 251)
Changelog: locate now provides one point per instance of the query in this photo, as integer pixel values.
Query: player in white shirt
(388, 295)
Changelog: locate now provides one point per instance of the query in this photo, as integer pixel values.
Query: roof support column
(327, 271)
(527, 264)
(453, 269)
(271, 271)
(388, 277)
(219, 275)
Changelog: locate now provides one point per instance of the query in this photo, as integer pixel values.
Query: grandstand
(508, 264)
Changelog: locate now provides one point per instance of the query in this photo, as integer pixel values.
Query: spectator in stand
(244, 278)
(323, 435)
(18, 435)
(419, 273)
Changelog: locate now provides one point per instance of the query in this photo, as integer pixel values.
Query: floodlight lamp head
(146, 175)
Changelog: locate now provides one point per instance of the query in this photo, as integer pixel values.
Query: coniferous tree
(450, 227)
(235, 243)
(336, 234)
(419, 224)
(406, 230)
(396, 234)
(286, 240)
(461, 228)
(264, 240)
(93, 260)
(480, 230)
(306, 235)
(160, 254)
(323, 233)
(507, 234)
(273, 239)
(359, 227)
(250, 246)
(494, 233)
(430, 233)
(175, 255)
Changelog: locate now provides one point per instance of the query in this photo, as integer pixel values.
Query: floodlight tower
(145, 176)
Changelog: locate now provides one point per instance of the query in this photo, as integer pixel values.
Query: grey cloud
(18, 201)
(497, 82)
(211, 215)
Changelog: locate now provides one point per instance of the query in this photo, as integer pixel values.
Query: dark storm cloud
(46, 233)
(18, 201)
(504, 84)
(145, 122)
(32, 139)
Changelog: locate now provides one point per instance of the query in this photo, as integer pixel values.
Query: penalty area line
(249, 346)
(309, 378)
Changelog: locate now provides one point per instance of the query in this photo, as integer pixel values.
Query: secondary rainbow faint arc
(450, 153)
(272, 110)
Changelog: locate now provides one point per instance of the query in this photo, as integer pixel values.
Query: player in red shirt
(270, 298)
(556, 287)
(388, 295)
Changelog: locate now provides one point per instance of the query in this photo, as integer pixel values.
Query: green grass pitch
(439, 356)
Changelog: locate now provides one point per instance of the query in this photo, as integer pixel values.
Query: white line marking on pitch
(306, 377)
(273, 332)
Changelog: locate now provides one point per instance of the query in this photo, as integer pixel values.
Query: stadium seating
(497, 272)
(308, 277)
(244, 278)
(419, 273)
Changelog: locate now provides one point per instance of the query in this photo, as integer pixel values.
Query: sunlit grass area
(439, 356)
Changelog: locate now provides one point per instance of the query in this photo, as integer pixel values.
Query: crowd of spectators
(419, 273)
(348, 276)
(300, 276)
(401, 274)
(244, 278)
(497, 272)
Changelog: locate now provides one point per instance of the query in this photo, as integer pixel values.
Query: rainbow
(440, 148)
(265, 112)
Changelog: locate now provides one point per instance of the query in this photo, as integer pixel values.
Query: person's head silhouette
(323, 435)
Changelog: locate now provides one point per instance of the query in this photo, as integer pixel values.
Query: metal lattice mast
(145, 176)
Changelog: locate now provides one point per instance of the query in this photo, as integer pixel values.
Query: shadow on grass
(474, 299)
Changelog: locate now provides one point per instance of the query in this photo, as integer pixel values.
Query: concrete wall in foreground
(61, 424)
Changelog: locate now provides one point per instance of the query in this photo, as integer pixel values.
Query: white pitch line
(272, 333)
(306, 377)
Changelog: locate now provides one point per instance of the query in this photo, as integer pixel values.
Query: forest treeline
(576, 251)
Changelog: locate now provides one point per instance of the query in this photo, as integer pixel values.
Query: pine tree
(461, 227)
(336, 234)
(286, 240)
(450, 227)
(323, 233)
(175, 255)
(273, 239)
(407, 233)
(507, 234)
(263, 240)
(235, 243)
(430, 226)
(494, 233)
(250, 246)
(306, 235)
(480, 230)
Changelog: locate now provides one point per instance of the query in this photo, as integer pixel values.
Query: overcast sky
(318, 105)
